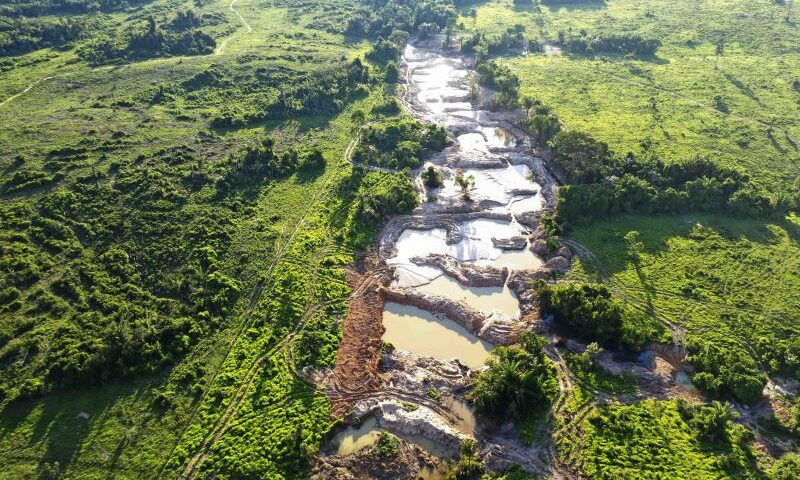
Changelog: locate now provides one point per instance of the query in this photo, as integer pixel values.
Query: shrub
(431, 177)
(589, 312)
(520, 381)
(388, 445)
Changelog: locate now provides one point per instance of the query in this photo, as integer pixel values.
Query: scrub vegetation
(664, 439)
(174, 230)
(182, 183)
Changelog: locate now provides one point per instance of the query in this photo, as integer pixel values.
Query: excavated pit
(461, 268)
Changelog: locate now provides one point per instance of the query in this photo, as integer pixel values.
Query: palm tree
(465, 184)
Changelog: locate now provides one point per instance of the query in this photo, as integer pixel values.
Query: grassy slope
(612, 97)
(700, 269)
(124, 434)
(728, 281)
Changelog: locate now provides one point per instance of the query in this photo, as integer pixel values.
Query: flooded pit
(418, 331)
(498, 185)
(353, 439)
(466, 422)
(475, 247)
(489, 300)
(683, 380)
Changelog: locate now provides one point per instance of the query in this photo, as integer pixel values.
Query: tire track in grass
(221, 48)
(199, 457)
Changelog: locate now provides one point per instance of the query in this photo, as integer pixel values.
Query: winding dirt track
(27, 89)
(221, 48)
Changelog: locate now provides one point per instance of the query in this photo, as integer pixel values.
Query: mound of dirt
(357, 362)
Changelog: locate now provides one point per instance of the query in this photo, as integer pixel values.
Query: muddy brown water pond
(352, 439)
(418, 331)
(489, 300)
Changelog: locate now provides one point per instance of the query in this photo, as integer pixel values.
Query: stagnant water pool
(416, 330)
(503, 184)
(488, 300)
(352, 439)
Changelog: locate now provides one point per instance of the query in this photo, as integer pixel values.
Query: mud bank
(408, 462)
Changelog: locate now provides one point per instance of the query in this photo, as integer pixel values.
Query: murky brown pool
(415, 330)
(489, 300)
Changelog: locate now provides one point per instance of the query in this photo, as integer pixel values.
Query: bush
(520, 381)
(726, 371)
(469, 465)
(398, 143)
(541, 120)
(590, 313)
(431, 177)
(388, 445)
(787, 468)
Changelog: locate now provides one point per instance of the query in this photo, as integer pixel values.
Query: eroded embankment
(357, 361)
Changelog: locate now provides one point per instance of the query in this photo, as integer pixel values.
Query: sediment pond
(487, 150)
(483, 228)
(488, 300)
(415, 330)
(352, 439)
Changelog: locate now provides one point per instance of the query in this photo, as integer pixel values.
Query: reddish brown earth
(357, 363)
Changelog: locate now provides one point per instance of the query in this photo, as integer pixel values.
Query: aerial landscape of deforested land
(399, 239)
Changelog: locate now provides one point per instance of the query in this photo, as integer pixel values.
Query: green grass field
(666, 104)
(282, 247)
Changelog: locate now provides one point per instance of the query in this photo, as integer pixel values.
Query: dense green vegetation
(519, 382)
(788, 467)
(607, 184)
(284, 95)
(179, 37)
(166, 271)
(501, 79)
(662, 439)
(378, 196)
(703, 132)
(380, 18)
(398, 143)
(589, 312)
(621, 44)
(28, 26)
